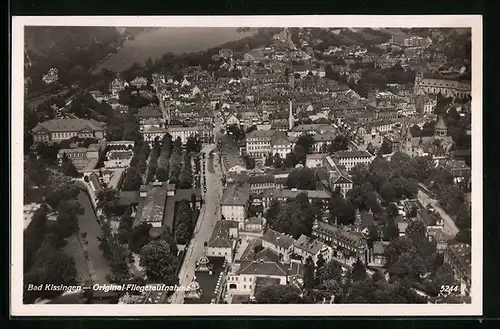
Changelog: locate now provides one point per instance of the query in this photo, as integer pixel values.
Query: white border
(18, 309)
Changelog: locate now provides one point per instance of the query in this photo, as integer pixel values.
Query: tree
(269, 160)
(463, 218)
(359, 174)
(139, 236)
(68, 168)
(415, 230)
(125, 226)
(302, 179)
(193, 144)
(159, 261)
(464, 236)
(309, 273)
(277, 161)
(341, 211)
(340, 143)
(278, 294)
(320, 262)
(182, 233)
(273, 212)
(107, 199)
(249, 162)
(306, 142)
(132, 180)
(387, 191)
(54, 267)
(358, 272)
(330, 271)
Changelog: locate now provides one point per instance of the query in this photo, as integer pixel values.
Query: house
(314, 160)
(57, 130)
(245, 277)
(281, 145)
(337, 177)
(431, 220)
(279, 243)
(280, 194)
(204, 132)
(378, 257)
(234, 203)
(458, 256)
(254, 224)
(258, 143)
(139, 82)
(349, 159)
(222, 243)
(116, 86)
(346, 243)
(51, 76)
(306, 247)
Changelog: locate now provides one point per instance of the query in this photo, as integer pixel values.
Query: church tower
(417, 89)
(291, 118)
(441, 130)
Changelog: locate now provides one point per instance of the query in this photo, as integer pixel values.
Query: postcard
(210, 165)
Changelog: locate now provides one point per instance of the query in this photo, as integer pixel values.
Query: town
(296, 165)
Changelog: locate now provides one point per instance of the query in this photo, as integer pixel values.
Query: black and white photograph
(211, 165)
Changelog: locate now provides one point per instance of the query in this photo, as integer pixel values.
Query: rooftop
(69, 125)
(151, 208)
(236, 195)
(278, 239)
(462, 253)
(221, 237)
(308, 244)
(352, 154)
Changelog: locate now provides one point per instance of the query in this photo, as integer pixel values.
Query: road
(209, 214)
(88, 224)
(449, 225)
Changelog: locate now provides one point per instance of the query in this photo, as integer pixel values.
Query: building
(431, 220)
(315, 160)
(258, 143)
(349, 159)
(281, 244)
(235, 202)
(203, 132)
(244, 277)
(51, 76)
(306, 247)
(151, 207)
(222, 243)
(320, 196)
(346, 243)
(448, 85)
(281, 145)
(139, 82)
(459, 258)
(57, 130)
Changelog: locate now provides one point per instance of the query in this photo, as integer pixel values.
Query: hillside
(72, 50)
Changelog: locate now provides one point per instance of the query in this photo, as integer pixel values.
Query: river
(154, 43)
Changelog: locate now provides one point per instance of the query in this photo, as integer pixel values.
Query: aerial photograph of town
(247, 165)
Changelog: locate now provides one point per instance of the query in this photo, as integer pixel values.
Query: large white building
(223, 240)
(449, 85)
(235, 202)
(61, 129)
(349, 159)
(281, 244)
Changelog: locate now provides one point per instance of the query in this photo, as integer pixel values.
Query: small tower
(441, 130)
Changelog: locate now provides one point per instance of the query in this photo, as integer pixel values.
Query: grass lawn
(74, 249)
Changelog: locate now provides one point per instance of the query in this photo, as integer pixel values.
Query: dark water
(155, 43)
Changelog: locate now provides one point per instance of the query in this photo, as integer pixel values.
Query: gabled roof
(309, 245)
(278, 239)
(69, 125)
(235, 195)
(220, 236)
(262, 268)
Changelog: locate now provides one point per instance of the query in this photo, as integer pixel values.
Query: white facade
(234, 212)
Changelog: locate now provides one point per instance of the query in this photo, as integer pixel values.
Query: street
(449, 225)
(209, 214)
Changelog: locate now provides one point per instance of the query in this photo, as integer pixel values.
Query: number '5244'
(448, 289)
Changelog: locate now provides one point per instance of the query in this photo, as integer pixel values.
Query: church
(437, 145)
